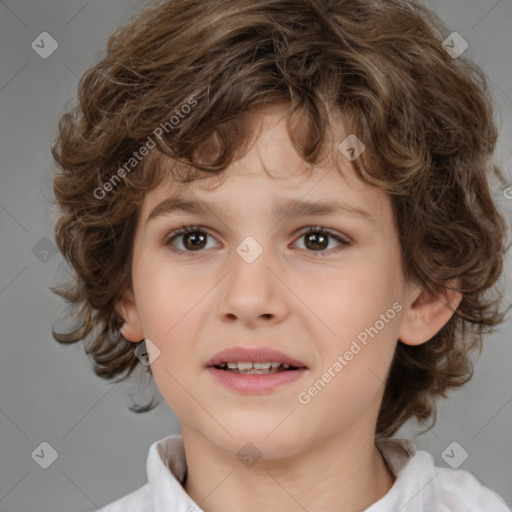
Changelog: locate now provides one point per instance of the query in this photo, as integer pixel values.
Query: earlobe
(127, 309)
(427, 313)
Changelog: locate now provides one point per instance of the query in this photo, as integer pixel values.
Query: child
(286, 203)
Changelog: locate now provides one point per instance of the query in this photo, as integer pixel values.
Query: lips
(255, 381)
(254, 355)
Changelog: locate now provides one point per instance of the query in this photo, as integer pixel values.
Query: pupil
(196, 238)
(318, 240)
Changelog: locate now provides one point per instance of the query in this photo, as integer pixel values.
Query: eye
(194, 238)
(317, 239)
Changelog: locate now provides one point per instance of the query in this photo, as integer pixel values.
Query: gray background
(48, 392)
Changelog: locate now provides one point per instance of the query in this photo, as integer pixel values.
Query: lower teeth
(254, 371)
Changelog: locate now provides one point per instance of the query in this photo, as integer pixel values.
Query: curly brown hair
(425, 118)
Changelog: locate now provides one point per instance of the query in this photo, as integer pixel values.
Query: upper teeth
(257, 366)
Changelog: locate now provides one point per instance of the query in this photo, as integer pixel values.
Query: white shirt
(419, 486)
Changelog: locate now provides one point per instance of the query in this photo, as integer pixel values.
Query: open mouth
(250, 368)
(260, 377)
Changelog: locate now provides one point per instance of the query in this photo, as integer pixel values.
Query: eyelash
(310, 229)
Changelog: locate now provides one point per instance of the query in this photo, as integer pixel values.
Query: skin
(315, 456)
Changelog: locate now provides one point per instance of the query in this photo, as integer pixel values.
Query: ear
(127, 308)
(426, 313)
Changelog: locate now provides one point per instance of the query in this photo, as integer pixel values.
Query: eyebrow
(280, 208)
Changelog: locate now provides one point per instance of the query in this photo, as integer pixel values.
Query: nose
(252, 292)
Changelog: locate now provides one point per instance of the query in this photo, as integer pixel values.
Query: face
(326, 289)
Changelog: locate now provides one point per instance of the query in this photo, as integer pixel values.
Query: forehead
(272, 172)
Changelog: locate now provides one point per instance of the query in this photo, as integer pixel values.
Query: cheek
(356, 296)
(169, 305)
(360, 310)
(353, 365)
(165, 297)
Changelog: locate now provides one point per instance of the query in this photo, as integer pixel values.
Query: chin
(253, 441)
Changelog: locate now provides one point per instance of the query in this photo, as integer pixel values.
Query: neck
(343, 472)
